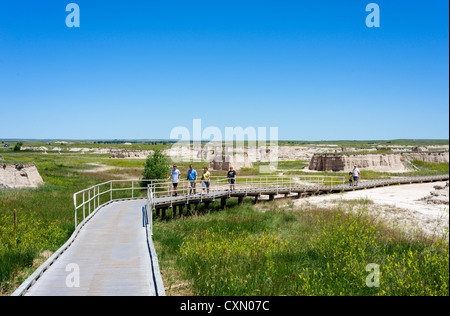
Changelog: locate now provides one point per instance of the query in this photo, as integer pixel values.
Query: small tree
(18, 146)
(156, 167)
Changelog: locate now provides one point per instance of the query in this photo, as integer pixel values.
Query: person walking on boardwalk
(192, 178)
(356, 174)
(350, 178)
(206, 176)
(175, 174)
(232, 178)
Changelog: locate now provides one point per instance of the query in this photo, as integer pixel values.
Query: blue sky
(138, 69)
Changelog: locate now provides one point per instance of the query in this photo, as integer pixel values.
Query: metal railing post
(89, 201)
(75, 207)
(84, 205)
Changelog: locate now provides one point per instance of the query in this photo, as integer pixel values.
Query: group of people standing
(192, 179)
(192, 175)
(354, 176)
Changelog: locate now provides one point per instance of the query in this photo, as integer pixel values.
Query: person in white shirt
(356, 174)
(175, 174)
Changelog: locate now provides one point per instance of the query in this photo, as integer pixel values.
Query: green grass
(289, 251)
(124, 163)
(23, 242)
(429, 168)
(421, 168)
(284, 165)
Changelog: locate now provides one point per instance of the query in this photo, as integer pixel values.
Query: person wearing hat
(232, 178)
(175, 174)
(356, 174)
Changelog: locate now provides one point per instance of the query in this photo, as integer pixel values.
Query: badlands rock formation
(225, 162)
(436, 157)
(239, 156)
(320, 156)
(130, 154)
(208, 152)
(19, 176)
(251, 154)
(374, 162)
(439, 196)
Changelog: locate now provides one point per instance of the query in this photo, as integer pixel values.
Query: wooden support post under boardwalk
(223, 203)
(206, 208)
(271, 197)
(189, 207)
(256, 199)
(240, 199)
(163, 218)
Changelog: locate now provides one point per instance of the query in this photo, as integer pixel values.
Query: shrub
(18, 146)
(156, 167)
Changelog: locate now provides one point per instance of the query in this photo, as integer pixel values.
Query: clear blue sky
(137, 69)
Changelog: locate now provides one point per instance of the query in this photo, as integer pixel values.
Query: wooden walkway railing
(271, 187)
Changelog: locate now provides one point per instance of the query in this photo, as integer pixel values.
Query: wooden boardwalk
(112, 254)
(271, 191)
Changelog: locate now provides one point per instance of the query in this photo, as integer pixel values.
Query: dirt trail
(100, 167)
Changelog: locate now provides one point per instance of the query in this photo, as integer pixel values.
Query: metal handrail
(90, 197)
(149, 207)
(245, 185)
(147, 211)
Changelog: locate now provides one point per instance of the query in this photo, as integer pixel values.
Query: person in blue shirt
(192, 178)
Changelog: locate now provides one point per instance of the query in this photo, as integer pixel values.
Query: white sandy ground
(100, 167)
(402, 206)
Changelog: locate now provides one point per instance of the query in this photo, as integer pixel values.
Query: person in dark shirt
(232, 178)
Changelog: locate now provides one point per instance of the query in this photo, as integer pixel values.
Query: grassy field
(292, 237)
(283, 250)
